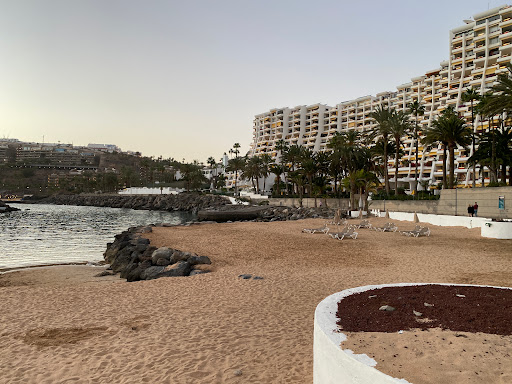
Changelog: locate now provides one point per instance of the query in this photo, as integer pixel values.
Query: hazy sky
(184, 79)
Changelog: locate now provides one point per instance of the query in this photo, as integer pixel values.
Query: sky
(184, 79)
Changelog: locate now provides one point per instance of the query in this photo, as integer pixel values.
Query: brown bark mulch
(457, 308)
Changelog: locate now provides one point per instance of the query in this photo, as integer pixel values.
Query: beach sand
(58, 326)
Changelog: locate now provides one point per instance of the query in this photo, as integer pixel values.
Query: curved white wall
(497, 229)
(332, 364)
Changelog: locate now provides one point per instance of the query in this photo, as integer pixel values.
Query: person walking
(475, 209)
(471, 210)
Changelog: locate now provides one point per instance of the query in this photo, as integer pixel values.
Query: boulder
(194, 259)
(163, 262)
(178, 255)
(152, 273)
(123, 258)
(161, 253)
(181, 268)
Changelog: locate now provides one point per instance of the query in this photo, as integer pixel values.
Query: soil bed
(457, 308)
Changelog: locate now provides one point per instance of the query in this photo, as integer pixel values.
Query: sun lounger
(346, 232)
(417, 231)
(323, 229)
(388, 227)
(362, 224)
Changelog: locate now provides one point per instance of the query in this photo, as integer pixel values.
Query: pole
(455, 201)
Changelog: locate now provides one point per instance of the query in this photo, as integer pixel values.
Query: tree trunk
(451, 148)
(386, 176)
(445, 181)
(416, 159)
(396, 166)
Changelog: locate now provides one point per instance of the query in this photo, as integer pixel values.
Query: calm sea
(43, 234)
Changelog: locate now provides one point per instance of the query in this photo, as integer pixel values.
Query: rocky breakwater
(186, 201)
(263, 213)
(4, 208)
(134, 258)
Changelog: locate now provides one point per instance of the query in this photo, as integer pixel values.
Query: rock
(104, 273)
(387, 308)
(372, 296)
(238, 372)
(197, 272)
(181, 268)
(245, 277)
(152, 273)
(180, 256)
(194, 259)
(134, 274)
(257, 278)
(418, 314)
(428, 305)
(163, 262)
(460, 295)
(126, 271)
(123, 258)
(162, 253)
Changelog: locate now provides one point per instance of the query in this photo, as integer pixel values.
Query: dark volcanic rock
(193, 260)
(4, 208)
(186, 201)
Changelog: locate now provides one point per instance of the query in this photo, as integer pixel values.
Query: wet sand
(61, 326)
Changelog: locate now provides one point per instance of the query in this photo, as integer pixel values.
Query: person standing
(475, 209)
(471, 210)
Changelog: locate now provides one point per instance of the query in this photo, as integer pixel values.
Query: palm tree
(381, 115)
(399, 126)
(213, 166)
(471, 95)
(266, 162)
(292, 156)
(252, 171)
(277, 170)
(235, 165)
(282, 147)
(416, 109)
(309, 168)
(451, 130)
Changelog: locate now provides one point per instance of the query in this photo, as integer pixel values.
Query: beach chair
(423, 231)
(346, 232)
(323, 229)
(413, 232)
(363, 224)
(388, 227)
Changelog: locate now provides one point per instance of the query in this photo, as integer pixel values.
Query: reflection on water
(52, 234)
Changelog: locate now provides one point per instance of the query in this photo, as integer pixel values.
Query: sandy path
(201, 329)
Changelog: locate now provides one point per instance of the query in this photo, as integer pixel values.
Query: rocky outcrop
(134, 258)
(186, 201)
(4, 208)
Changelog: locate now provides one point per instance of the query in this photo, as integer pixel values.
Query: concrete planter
(334, 365)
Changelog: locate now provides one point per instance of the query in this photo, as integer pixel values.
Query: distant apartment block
(110, 148)
(479, 51)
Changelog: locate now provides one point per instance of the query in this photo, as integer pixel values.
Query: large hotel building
(479, 51)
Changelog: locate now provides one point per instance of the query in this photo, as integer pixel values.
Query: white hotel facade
(479, 51)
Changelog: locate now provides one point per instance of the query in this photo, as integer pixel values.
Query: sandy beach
(61, 324)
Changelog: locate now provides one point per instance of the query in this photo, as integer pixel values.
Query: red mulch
(483, 309)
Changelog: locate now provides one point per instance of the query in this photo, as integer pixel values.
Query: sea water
(42, 234)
